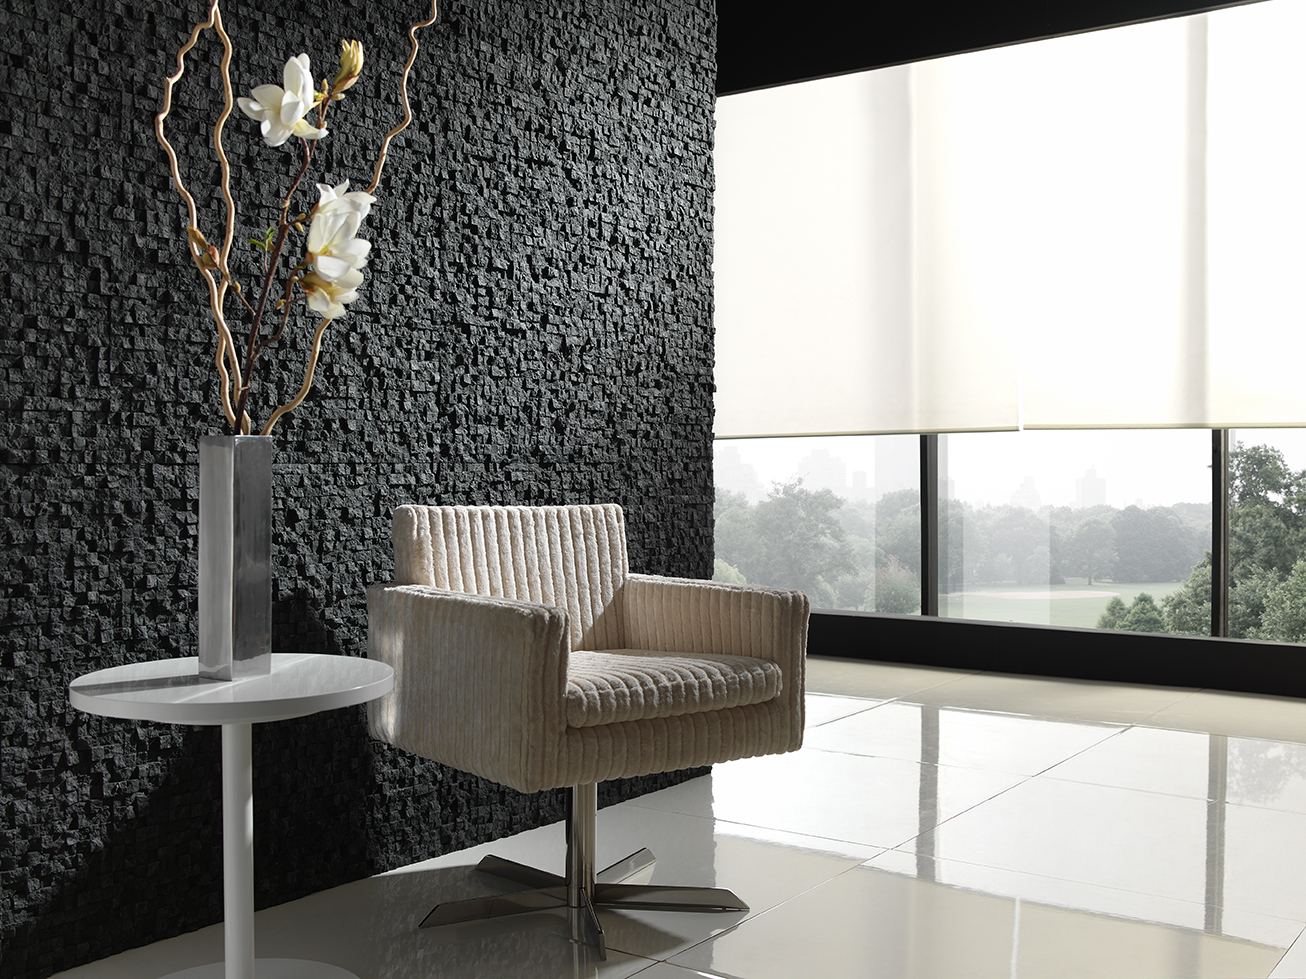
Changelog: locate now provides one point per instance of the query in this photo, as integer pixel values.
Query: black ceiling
(767, 42)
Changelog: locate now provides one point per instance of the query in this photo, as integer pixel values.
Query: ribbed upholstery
(634, 684)
(693, 616)
(571, 557)
(490, 603)
(508, 716)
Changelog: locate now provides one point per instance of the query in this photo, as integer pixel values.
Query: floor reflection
(935, 824)
(1197, 820)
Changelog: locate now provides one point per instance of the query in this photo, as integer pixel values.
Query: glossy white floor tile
(1067, 699)
(972, 739)
(823, 708)
(886, 681)
(1236, 715)
(936, 823)
(1088, 897)
(1269, 774)
(665, 970)
(1143, 842)
(872, 923)
(1148, 759)
(873, 801)
(1292, 965)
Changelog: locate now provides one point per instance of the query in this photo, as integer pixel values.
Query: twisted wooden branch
(220, 361)
(403, 96)
(228, 102)
(217, 288)
(308, 379)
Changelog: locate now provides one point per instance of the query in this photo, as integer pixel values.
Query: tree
(1284, 618)
(858, 518)
(898, 527)
(1258, 476)
(1040, 568)
(1262, 537)
(1267, 536)
(792, 539)
(1267, 512)
(1153, 545)
(1267, 531)
(897, 589)
(1249, 593)
(727, 500)
(851, 590)
(959, 546)
(1091, 549)
(1021, 547)
(1143, 616)
(1187, 612)
(999, 567)
(1113, 614)
(721, 571)
(733, 529)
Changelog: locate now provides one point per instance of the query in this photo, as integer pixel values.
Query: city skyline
(1129, 466)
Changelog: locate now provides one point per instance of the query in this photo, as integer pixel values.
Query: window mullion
(930, 524)
(1220, 438)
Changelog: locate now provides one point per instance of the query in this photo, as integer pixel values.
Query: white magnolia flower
(328, 296)
(280, 110)
(361, 200)
(332, 247)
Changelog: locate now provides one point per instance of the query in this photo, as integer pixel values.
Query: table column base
(270, 969)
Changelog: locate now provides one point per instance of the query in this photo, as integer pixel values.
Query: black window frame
(928, 639)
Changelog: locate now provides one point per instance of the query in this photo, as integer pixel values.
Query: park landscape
(1131, 568)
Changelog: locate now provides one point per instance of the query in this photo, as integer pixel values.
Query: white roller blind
(1092, 231)
(1256, 166)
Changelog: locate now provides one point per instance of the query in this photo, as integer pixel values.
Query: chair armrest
(694, 616)
(479, 681)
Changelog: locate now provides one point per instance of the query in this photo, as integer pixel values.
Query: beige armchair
(526, 652)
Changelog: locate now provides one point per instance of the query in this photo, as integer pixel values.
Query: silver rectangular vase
(235, 600)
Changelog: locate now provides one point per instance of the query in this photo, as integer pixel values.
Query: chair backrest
(571, 557)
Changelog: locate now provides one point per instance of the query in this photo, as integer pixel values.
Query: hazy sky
(1152, 467)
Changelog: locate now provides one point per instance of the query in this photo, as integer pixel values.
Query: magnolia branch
(330, 272)
(308, 380)
(203, 256)
(376, 179)
(403, 96)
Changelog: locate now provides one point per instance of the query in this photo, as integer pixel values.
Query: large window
(1056, 528)
(1061, 266)
(837, 518)
(1104, 529)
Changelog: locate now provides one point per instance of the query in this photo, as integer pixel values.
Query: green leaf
(264, 244)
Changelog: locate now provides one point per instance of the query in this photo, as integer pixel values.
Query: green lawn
(1054, 605)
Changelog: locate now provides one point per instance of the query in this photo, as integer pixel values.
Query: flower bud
(206, 256)
(351, 66)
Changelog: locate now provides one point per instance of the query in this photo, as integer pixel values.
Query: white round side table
(172, 692)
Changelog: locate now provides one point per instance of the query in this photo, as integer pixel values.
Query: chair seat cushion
(635, 684)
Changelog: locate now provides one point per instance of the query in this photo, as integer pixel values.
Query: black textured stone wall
(534, 328)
